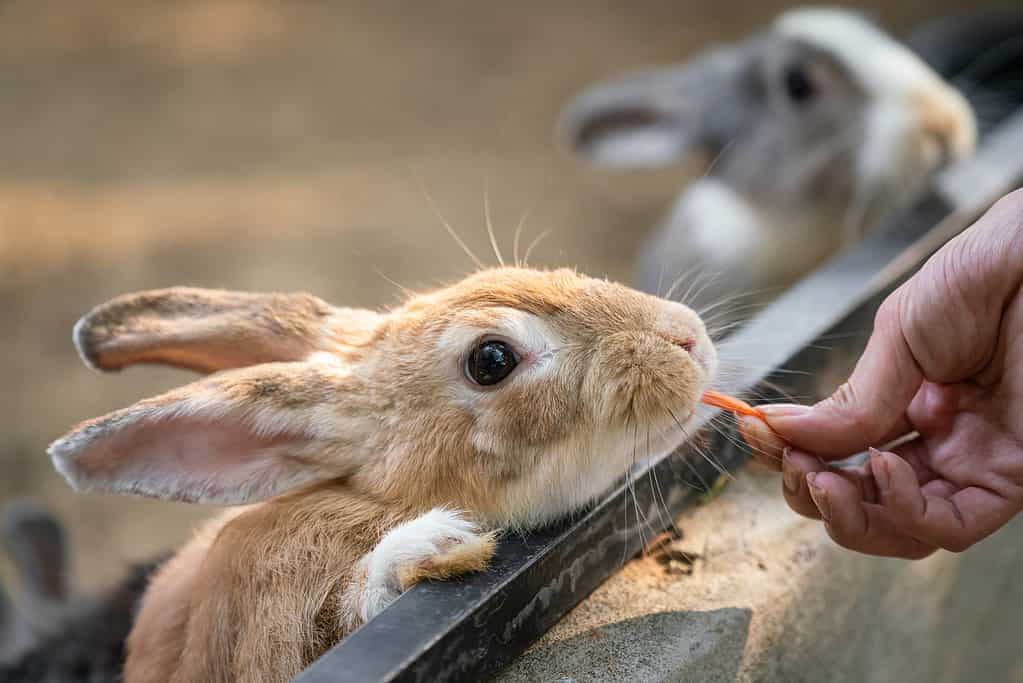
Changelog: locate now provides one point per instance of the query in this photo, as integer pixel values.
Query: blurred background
(264, 145)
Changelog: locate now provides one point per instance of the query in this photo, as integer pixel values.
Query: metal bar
(469, 629)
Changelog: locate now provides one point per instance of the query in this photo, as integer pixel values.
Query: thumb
(869, 409)
(943, 324)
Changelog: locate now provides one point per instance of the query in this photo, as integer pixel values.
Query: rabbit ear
(8, 621)
(37, 545)
(653, 118)
(209, 330)
(235, 437)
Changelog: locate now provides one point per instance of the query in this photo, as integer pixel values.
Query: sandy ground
(289, 146)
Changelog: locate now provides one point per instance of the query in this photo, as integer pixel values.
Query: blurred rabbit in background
(48, 633)
(36, 546)
(815, 128)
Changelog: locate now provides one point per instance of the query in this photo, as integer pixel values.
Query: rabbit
(364, 452)
(815, 127)
(48, 632)
(36, 545)
(86, 645)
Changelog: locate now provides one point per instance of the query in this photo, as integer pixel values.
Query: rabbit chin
(574, 472)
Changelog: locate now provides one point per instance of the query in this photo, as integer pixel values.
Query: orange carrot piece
(735, 405)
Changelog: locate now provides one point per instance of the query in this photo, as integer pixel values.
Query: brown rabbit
(383, 448)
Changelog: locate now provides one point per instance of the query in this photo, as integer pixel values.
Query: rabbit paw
(439, 545)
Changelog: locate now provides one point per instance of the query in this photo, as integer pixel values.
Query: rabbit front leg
(440, 544)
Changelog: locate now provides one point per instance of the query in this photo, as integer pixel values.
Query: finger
(797, 465)
(765, 445)
(953, 522)
(869, 409)
(939, 488)
(962, 290)
(794, 470)
(856, 525)
(916, 453)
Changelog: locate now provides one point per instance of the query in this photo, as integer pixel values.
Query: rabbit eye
(798, 84)
(490, 362)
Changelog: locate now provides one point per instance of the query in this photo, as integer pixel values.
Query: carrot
(735, 405)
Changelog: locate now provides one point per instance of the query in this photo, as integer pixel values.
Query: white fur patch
(882, 65)
(720, 221)
(408, 544)
(534, 339)
(642, 146)
(324, 357)
(888, 125)
(574, 472)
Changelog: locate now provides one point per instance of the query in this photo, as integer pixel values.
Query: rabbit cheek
(535, 412)
(887, 151)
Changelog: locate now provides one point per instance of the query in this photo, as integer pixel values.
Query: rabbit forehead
(574, 304)
(879, 64)
(526, 329)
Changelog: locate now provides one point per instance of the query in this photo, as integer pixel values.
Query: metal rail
(468, 629)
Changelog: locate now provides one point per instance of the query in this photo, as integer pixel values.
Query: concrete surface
(768, 597)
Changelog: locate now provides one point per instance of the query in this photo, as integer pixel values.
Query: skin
(945, 359)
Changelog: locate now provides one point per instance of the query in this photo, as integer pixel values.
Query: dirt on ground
(290, 146)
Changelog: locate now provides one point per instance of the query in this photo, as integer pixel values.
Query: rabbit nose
(946, 120)
(684, 343)
(943, 146)
(687, 344)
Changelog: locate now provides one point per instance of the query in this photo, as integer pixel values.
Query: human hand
(945, 359)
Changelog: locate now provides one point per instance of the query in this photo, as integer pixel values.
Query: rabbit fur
(813, 128)
(359, 455)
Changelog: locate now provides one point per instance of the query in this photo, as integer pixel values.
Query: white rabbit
(814, 126)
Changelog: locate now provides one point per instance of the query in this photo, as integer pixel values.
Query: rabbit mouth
(674, 425)
(703, 362)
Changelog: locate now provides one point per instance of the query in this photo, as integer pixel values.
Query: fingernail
(789, 473)
(880, 469)
(784, 410)
(820, 497)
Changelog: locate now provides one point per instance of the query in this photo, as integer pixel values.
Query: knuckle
(845, 531)
(856, 416)
(842, 536)
(802, 507)
(896, 309)
(889, 312)
(1001, 228)
(1010, 205)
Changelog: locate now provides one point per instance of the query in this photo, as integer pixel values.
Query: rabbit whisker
(640, 517)
(716, 465)
(693, 271)
(717, 157)
(447, 226)
(663, 511)
(694, 470)
(490, 223)
(404, 290)
(529, 250)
